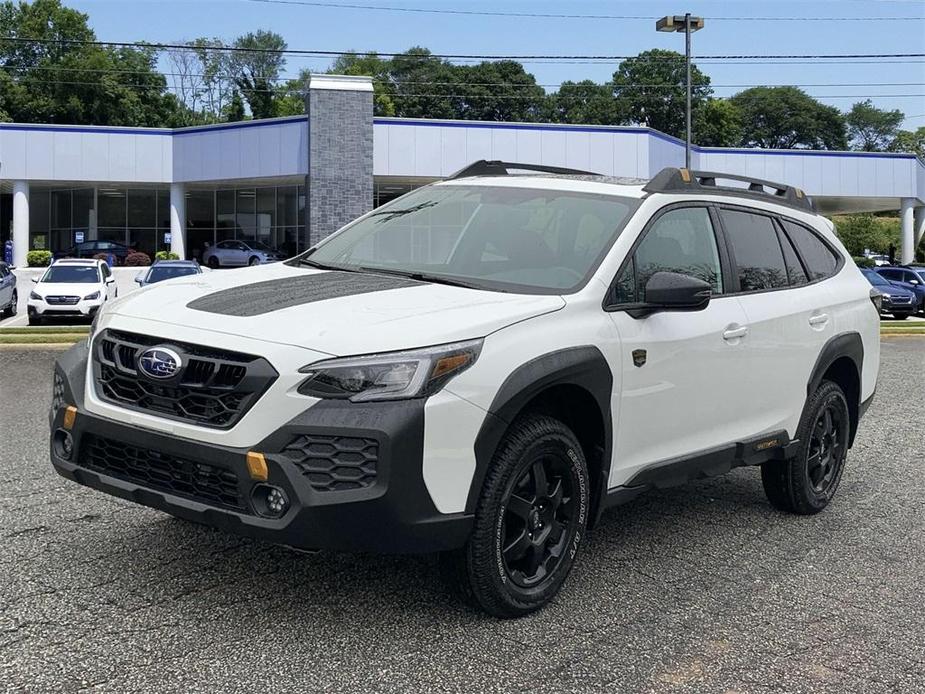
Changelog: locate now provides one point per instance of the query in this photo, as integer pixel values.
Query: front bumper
(393, 513)
(84, 308)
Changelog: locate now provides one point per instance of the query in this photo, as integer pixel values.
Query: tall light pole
(687, 24)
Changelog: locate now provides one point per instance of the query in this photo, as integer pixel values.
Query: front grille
(213, 388)
(901, 300)
(61, 300)
(200, 482)
(332, 463)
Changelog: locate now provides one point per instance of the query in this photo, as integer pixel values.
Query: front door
(683, 373)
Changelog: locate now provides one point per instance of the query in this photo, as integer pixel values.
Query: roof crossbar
(485, 167)
(673, 180)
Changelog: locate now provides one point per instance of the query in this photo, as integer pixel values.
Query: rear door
(682, 372)
(6, 285)
(788, 308)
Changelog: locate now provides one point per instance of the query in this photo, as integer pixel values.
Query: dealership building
(288, 182)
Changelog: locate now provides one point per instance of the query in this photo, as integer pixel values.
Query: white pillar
(918, 224)
(905, 230)
(178, 219)
(20, 222)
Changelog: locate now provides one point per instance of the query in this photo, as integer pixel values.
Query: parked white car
(481, 367)
(71, 288)
(237, 253)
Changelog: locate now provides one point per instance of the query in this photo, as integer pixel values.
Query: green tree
(861, 232)
(788, 118)
(717, 123)
(650, 90)
(55, 79)
(423, 86)
(872, 129)
(370, 65)
(234, 110)
(256, 65)
(583, 102)
(497, 91)
(910, 141)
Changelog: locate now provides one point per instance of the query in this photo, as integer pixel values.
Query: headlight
(33, 295)
(392, 376)
(91, 297)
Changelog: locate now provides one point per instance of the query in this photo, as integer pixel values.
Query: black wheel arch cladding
(847, 347)
(583, 367)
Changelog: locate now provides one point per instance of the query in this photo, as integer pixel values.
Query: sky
(888, 83)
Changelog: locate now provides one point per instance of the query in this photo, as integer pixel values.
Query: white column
(178, 219)
(905, 230)
(20, 222)
(918, 224)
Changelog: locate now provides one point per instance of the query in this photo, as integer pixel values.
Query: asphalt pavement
(703, 588)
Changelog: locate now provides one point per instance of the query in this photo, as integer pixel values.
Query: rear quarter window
(759, 260)
(820, 260)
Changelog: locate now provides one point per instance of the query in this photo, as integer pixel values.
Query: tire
(212, 262)
(35, 320)
(806, 483)
(534, 501)
(254, 260)
(10, 310)
(900, 316)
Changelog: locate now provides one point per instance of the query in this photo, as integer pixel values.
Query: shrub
(864, 261)
(102, 256)
(166, 255)
(38, 258)
(137, 259)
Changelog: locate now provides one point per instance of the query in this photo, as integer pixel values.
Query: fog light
(269, 501)
(64, 444)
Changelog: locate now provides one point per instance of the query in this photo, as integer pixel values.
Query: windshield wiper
(392, 214)
(425, 277)
(325, 266)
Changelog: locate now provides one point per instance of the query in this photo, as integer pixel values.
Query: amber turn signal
(257, 466)
(70, 416)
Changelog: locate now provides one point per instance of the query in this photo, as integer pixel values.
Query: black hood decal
(273, 295)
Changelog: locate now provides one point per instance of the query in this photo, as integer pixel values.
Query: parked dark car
(8, 297)
(895, 300)
(911, 279)
(89, 249)
(167, 270)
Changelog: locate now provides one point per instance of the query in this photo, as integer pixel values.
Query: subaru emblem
(159, 363)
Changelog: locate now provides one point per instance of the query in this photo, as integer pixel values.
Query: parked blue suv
(899, 302)
(908, 278)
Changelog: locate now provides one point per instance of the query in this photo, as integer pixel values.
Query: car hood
(80, 289)
(337, 313)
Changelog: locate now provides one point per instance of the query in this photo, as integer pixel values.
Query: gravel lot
(699, 589)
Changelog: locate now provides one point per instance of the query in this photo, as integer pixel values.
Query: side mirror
(35, 280)
(138, 278)
(110, 280)
(672, 291)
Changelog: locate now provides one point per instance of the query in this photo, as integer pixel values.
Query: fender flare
(584, 367)
(848, 345)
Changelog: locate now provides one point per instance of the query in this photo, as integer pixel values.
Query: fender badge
(639, 357)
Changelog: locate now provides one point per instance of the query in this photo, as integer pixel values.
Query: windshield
(875, 279)
(492, 237)
(260, 246)
(72, 274)
(158, 274)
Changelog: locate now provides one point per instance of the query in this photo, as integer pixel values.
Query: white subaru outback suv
(71, 288)
(481, 367)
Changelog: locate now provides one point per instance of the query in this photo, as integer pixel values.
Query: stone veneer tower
(339, 185)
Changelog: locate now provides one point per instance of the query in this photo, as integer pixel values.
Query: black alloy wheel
(828, 444)
(212, 262)
(539, 508)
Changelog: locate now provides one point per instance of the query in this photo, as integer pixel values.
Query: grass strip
(41, 339)
(70, 330)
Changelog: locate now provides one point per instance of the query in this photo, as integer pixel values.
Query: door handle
(819, 320)
(735, 333)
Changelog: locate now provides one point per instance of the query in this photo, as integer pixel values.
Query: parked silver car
(234, 253)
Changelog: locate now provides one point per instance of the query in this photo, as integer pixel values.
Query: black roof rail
(673, 180)
(484, 167)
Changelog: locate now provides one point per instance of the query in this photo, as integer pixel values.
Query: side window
(758, 256)
(682, 241)
(795, 271)
(820, 260)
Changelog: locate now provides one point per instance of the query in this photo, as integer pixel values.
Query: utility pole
(688, 25)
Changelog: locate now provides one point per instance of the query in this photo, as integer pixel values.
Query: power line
(446, 56)
(545, 15)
